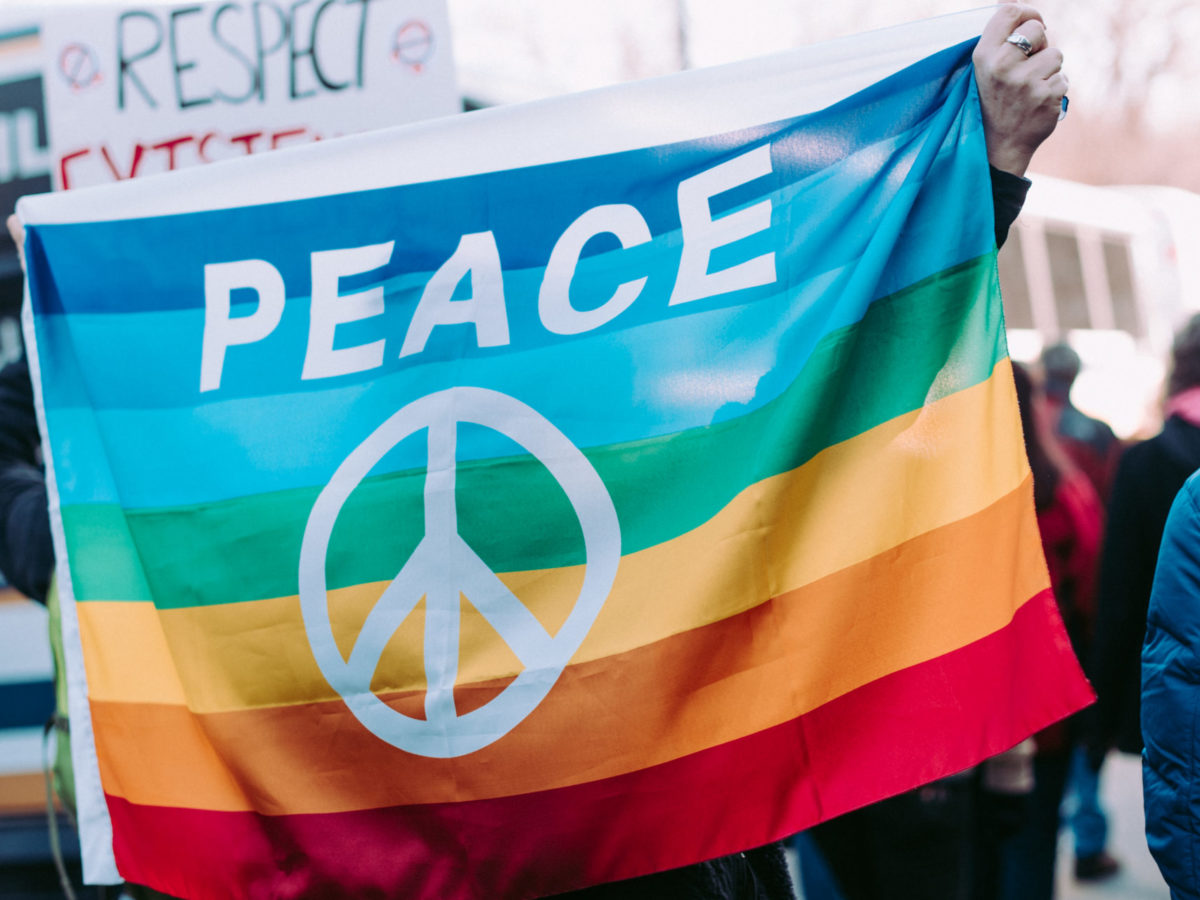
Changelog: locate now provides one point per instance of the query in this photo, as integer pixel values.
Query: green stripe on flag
(926, 342)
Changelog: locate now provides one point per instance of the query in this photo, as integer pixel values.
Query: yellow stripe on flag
(853, 501)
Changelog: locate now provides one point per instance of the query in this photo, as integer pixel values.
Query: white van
(1112, 271)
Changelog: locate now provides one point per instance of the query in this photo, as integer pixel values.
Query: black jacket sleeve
(1008, 196)
(1127, 563)
(26, 551)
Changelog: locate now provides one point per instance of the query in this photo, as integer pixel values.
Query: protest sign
(545, 496)
(137, 90)
(24, 150)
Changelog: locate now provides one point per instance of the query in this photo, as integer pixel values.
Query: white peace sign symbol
(443, 565)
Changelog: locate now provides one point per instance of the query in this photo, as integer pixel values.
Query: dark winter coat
(1148, 477)
(26, 551)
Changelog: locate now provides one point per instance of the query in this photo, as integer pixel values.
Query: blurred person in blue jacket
(1171, 700)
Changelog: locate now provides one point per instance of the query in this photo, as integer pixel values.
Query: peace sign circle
(443, 566)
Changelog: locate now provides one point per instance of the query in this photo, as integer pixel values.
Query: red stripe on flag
(902, 730)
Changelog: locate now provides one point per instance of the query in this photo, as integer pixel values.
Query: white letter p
(222, 330)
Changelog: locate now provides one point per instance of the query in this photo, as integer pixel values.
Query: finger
(1057, 85)
(1007, 19)
(1034, 32)
(1047, 63)
(15, 229)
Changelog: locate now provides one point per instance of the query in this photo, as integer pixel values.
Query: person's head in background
(1185, 358)
(1060, 368)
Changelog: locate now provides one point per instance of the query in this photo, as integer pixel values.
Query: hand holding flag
(1021, 91)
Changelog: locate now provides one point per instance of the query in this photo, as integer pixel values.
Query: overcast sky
(550, 46)
(520, 49)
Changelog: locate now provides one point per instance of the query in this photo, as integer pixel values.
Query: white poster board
(138, 90)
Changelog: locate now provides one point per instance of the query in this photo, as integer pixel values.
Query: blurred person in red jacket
(1092, 446)
(1089, 441)
(1070, 519)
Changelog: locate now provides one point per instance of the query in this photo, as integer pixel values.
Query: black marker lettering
(125, 63)
(262, 50)
(180, 67)
(255, 75)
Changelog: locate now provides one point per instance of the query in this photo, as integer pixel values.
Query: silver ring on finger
(1021, 42)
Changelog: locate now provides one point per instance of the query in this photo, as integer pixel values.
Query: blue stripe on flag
(102, 267)
(618, 383)
(811, 238)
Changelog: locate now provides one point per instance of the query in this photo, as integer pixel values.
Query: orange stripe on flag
(685, 693)
(897, 732)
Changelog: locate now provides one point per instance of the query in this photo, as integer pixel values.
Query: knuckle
(990, 63)
(1047, 96)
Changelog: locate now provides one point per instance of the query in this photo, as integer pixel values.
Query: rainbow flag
(542, 496)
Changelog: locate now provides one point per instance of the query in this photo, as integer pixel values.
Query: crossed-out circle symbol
(79, 66)
(443, 566)
(413, 44)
